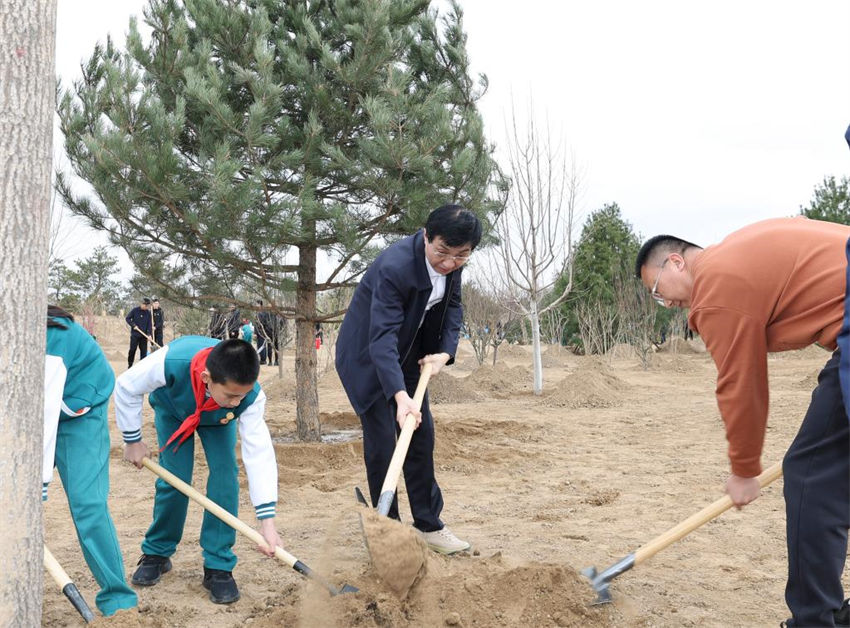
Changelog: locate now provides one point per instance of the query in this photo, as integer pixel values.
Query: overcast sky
(696, 118)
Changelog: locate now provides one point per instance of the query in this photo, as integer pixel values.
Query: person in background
(158, 322)
(140, 321)
(247, 330)
(233, 322)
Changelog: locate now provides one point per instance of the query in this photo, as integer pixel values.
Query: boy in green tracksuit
(77, 384)
(201, 384)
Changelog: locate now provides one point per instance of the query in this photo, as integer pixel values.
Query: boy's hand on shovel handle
(742, 491)
(406, 405)
(271, 536)
(135, 452)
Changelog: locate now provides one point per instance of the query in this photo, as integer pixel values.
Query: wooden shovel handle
(403, 442)
(209, 505)
(703, 516)
(55, 569)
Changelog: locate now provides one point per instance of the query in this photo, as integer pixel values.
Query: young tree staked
(244, 138)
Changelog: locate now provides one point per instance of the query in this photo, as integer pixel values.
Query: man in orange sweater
(776, 285)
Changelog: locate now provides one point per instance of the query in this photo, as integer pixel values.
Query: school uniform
(77, 384)
(165, 375)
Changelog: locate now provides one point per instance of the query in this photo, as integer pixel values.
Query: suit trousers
(380, 431)
(817, 504)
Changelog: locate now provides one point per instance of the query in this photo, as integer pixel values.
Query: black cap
(146, 301)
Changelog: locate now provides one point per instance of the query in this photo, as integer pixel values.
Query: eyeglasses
(460, 259)
(654, 292)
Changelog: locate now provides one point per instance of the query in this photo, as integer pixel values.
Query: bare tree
(27, 98)
(597, 322)
(482, 317)
(535, 229)
(636, 314)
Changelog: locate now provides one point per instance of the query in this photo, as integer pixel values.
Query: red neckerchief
(202, 403)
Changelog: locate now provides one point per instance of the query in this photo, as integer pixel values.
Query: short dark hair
(667, 243)
(233, 360)
(53, 312)
(455, 224)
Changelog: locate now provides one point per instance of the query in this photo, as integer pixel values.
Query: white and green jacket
(165, 376)
(77, 378)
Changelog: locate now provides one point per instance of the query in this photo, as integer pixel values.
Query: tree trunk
(534, 319)
(306, 393)
(27, 39)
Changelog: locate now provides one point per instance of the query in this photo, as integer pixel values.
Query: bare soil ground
(610, 456)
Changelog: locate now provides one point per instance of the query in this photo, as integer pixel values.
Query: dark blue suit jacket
(141, 319)
(380, 327)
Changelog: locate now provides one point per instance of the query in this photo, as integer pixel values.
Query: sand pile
(679, 345)
(461, 592)
(446, 388)
(500, 381)
(516, 352)
(278, 390)
(592, 385)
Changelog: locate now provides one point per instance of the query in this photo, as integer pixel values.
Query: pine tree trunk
(306, 393)
(27, 38)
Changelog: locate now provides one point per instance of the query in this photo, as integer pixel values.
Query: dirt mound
(500, 381)
(278, 390)
(398, 553)
(462, 592)
(339, 420)
(679, 345)
(592, 385)
(446, 388)
(513, 351)
(621, 350)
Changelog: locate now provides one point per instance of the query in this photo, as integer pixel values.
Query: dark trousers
(137, 341)
(817, 504)
(380, 430)
(157, 336)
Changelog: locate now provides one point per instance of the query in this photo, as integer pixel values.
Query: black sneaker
(221, 585)
(150, 569)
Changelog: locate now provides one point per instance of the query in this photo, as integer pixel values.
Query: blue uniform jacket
(380, 327)
(141, 319)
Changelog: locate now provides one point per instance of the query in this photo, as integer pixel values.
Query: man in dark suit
(405, 312)
(139, 320)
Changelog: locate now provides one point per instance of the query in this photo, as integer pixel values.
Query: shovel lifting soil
(398, 553)
(601, 581)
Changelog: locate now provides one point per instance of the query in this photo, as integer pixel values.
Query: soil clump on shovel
(399, 555)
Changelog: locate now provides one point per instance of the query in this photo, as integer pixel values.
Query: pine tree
(249, 130)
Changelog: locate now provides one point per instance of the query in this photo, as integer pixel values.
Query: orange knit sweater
(772, 286)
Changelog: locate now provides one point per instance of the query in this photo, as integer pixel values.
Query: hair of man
(233, 360)
(658, 247)
(455, 224)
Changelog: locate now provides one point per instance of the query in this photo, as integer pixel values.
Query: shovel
(397, 553)
(601, 581)
(240, 526)
(68, 588)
